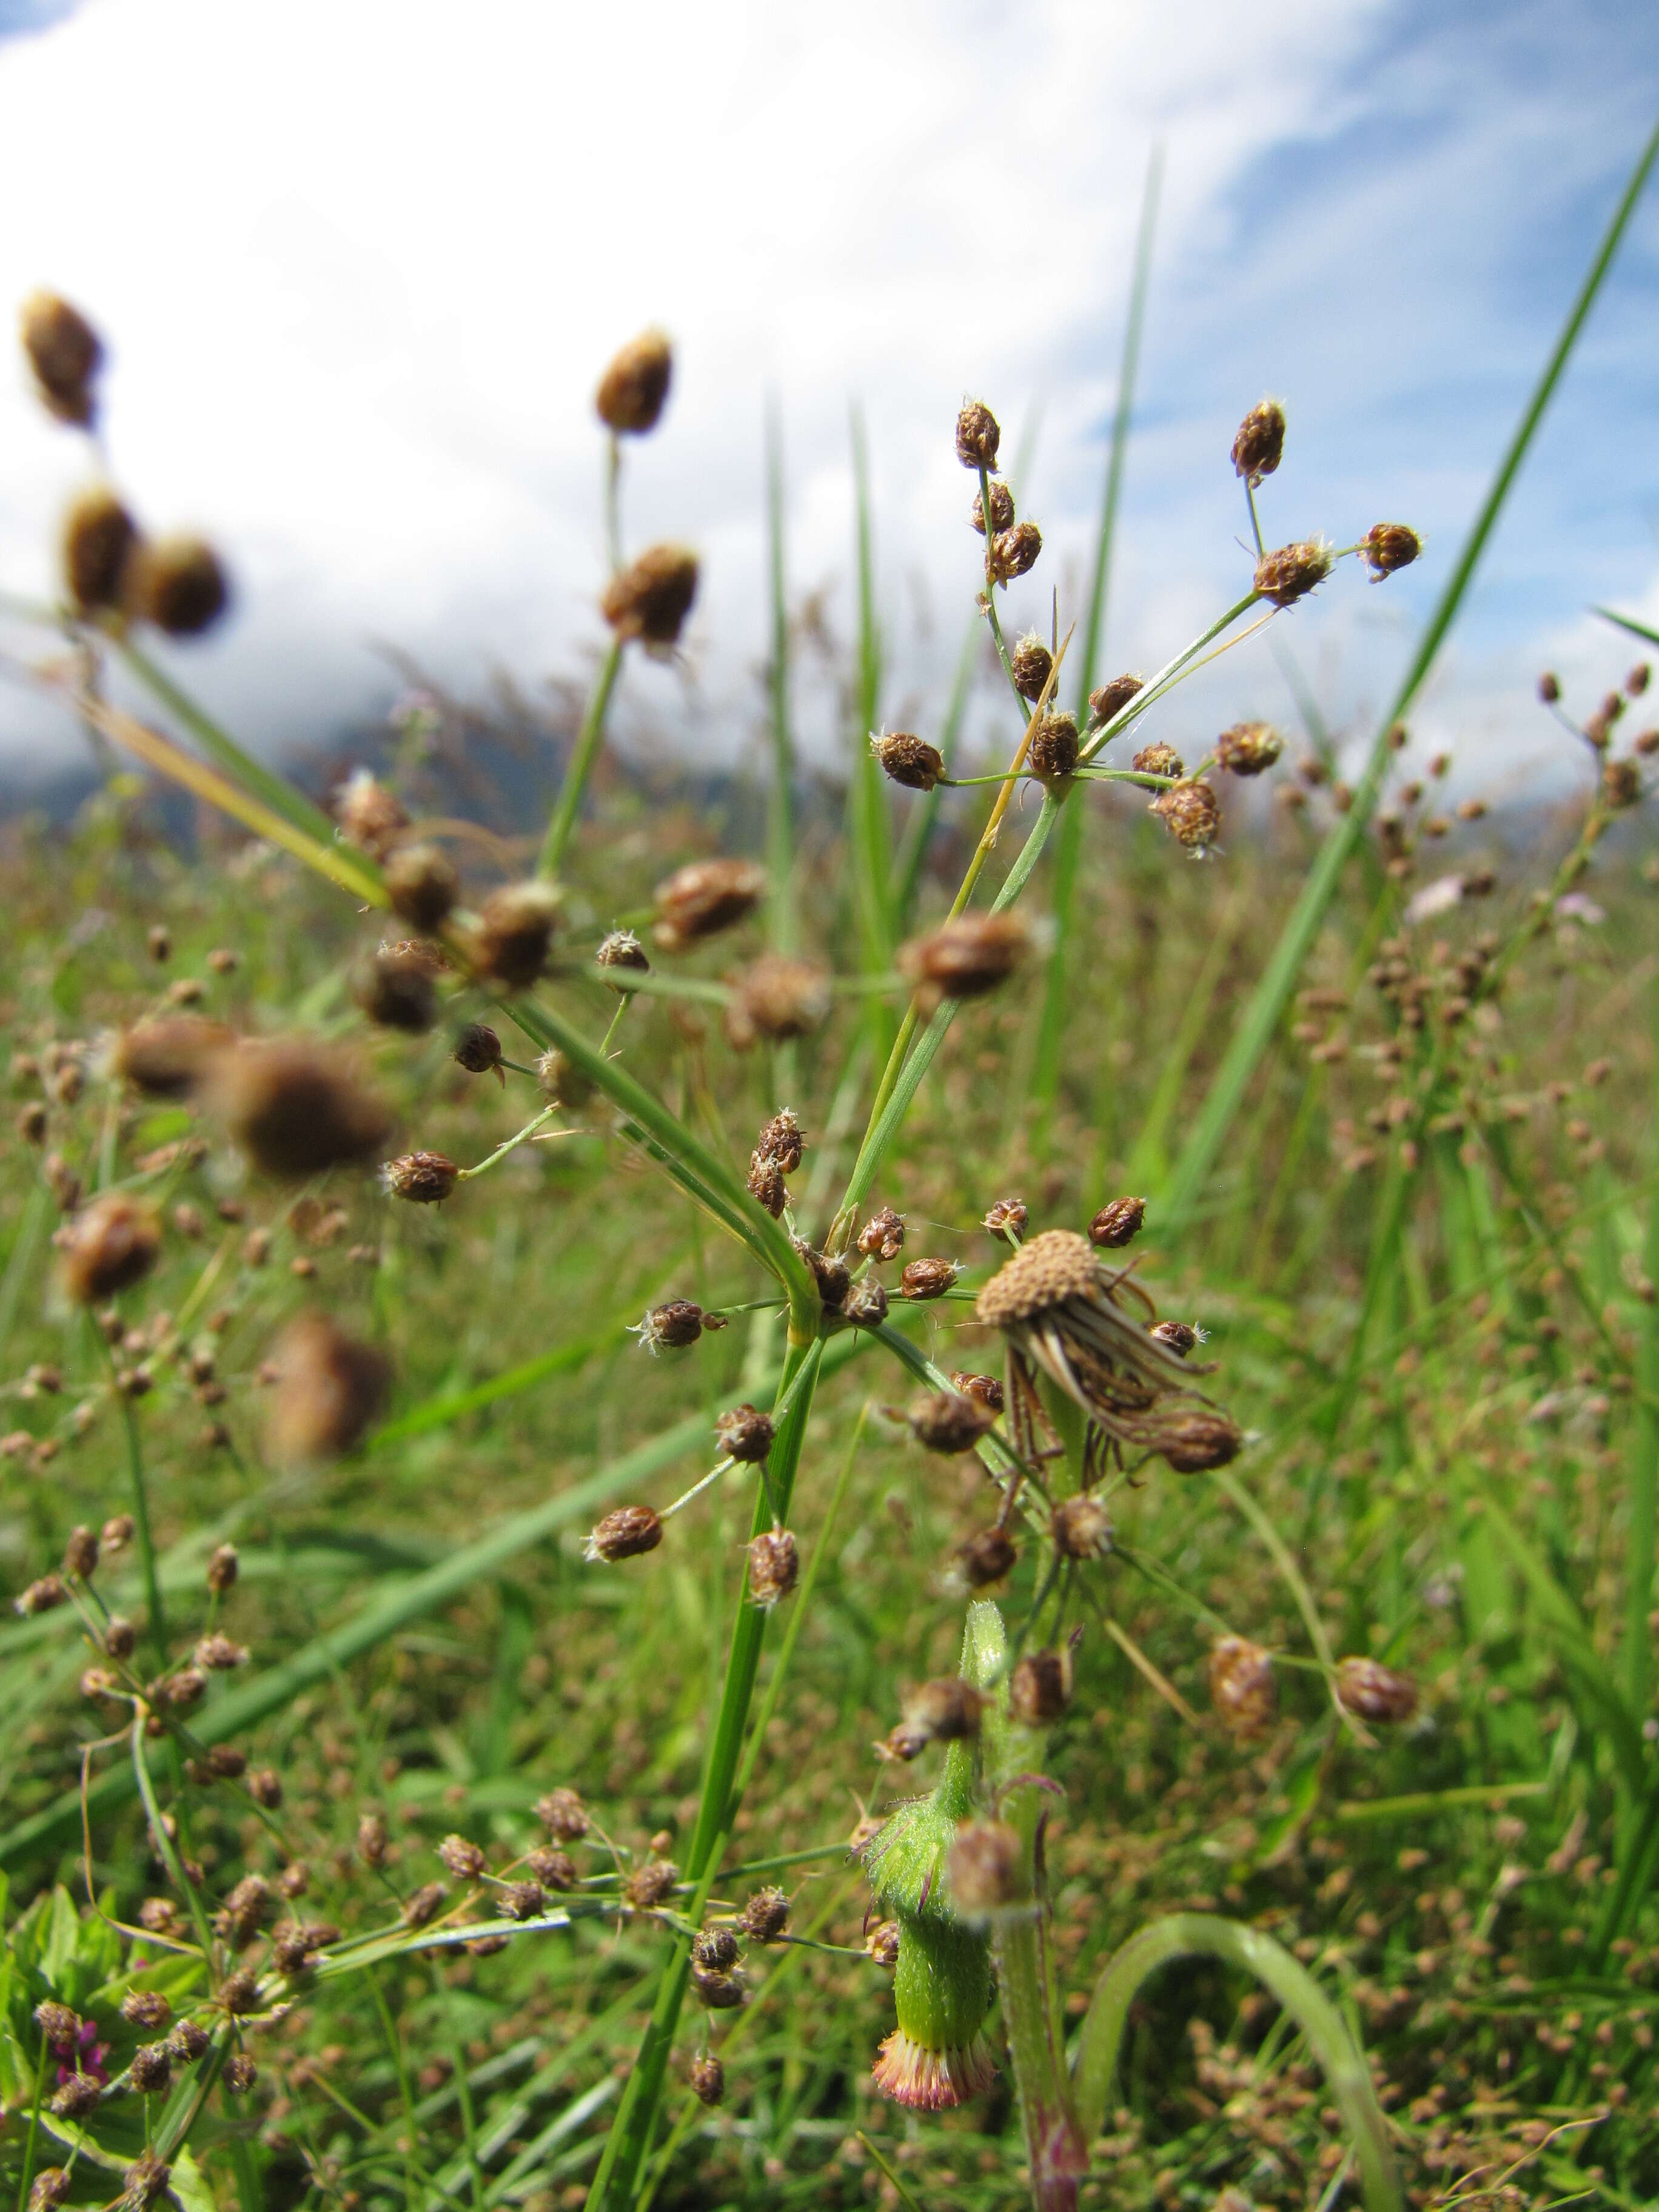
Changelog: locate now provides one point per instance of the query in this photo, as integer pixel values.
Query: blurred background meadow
(361, 1797)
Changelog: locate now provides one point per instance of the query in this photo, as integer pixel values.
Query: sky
(360, 263)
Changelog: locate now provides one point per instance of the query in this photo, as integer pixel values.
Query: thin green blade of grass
(1261, 1019)
(1628, 622)
(584, 754)
(1068, 845)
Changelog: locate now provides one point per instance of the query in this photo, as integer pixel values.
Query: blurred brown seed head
(553, 1867)
(1118, 1222)
(622, 951)
(1549, 688)
(520, 1900)
(296, 1106)
(765, 1917)
(774, 1565)
(370, 816)
(985, 1390)
(1621, 784)
(1373, 1692)
(708, 2079)
(1160, 760)
(1053, 753)
(1040, 1687)
(978, 436)
(151, 2069)
(146, 2008)
(1387, 546)
(1241, 1685)
(98, 541)
(716, 1949)
(966, 957)
(1081, 1528)
(829, 1272)
(650, 600)
(169, 1056)
(219, 1654)
(80, 1553)
(328, 1389)
(624, 1534)
(1199, 1439)
(264, 1787)
(1002, 509)
(633, 388)
(66, 354)
(423, 1178)
(562, 1080)
(397, 986)
(1030, 661)
(463, 1858)
(744, 1434)
(563, 1814)
(1014, 552)
(720, 1992)
(882, 1237)
(178, 584)
(908, 759)
(222, 1569)
(1113, 697)
(120, 1638)
(514, 932)
(1191, 813)
(478, 1049)
(108, 1246)
(705, 897)
(1249, 748)
(651, 1885)
(984, 1865)
(987, 1557)
(240, 2074)
(422, 885)
(1291, 572)
(945, 1421)
(144, 2180)
(776, 998)
(927, 1278)
(1260, 444)
(1179, 1336)
(946, 1710)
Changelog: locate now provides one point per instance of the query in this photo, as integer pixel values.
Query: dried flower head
(1052, 754)
(651, 1885)
(463, 1858)
(1387, 546)
(985, 1867)
(633, 388)
(1260, 443)
(651, 599)
(827, 1272)
(1002, 509)
(882, 1237)
(744, 1434)
(77, 2095)
(397, 986)
(219, 1654)
(50, 2186)
(222, 1569)
(520, 1900)
(369, 815)
(774, 1565)
(1191, 813)
(553, 1867)
(144, 2180)
(1290, 573)
(239, 1993)
(1160, 760)
(514, 932)
(120, 1638)
(1180, 1336)
(1249, 748)
(561, 1081)
(1040, 1687)
(1621, 784)
(329, 1387)
(1014, 552)
(624, 1534)
(60, 2024)
(765, 1917)
(1201, 1438)
(780, 1140)
(720, 1992)
(99, 540)
(622, 951)
(80, 1553)
(240, 2074)
(66, 354)
(966, 957)
(927, 1278)
(178, 584)
(908, 759)
(675, 1324)
(978, 436)
(1242, 1687)
(169, 1056)
(108, 1246)
(1118, 1222)
(1005, 1219)
(989, 1556)
(1373, 1692)
(715, 1949)
(708, 2079)
(984, 1389)
(774, 998)
(865, 1303)
(766, 1184)
(423, 1178)
(422, 885)
(1031, 661)
(1081, 1527)
(297, 1106)
(945, 1421)
(945, 1710)
(146, 2008)
(1112, 698)
(704, 897)
(564, 1815)
(189, 2040)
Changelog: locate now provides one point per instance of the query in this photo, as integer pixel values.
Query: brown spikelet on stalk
(396, 986)
(634, 386)
(1031, 662)
(774, 1565)
(421, 1178)
(1118, 1222)
(882, 1237)
(966, 957)
(178, 584)
(560, 1080)
(704, 897)
(1159, 759)
(1002, 509)
(370, 816)
(908, 760)
(989, 1556)
(422, 885)
(776, 998)
(1191, 813)
(744, 1434)
(513, 934)
(1291, 572)
(329, 1387)
(978, 436)
(928, 1278)
(650, 600)
(478, 1050)
(622, 954)
(1258, 446)
(948, 1422)
(169, 1056)
(1014, 552)
(1387, 546)
(297, 1106)
(1241, 1685)
(1249, 748)
(99, 540)
(627, 1533)
(107, 1247)
(1111, 698)
(1373, 1692)
(781, 1142)
(1052, 754)
(66, 354)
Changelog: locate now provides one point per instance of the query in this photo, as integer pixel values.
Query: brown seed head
(1014, 552)
(240, 2074)
(1081, 1528)
(978, 436)
(81, 2094)
(774, 1566)
(675, 1324)
(987, 1557)
(372, 1839)
(328, 1389)
(945, 1421)
(715, 1949)
(708, 2079)
(1373, 1692)
(1007, 1219)
(219, 1654)
(927, 1278)
(514, 932)
(98, 542)
(882, 1237)
(650, 600)
(1040, 1687)
(563, 1814)
(32, 1122)
(1292, 572)
(1249, 748)
(1160, 760)
(80, 1553)
(520, 1900)
(767, 1184)
(866, 1304)
(264, 1787)
(966, 957)
(1260, 444)
(908, 759)
(1113, 697)
(66, 354)
(169, 1056)
(766, 1916)
(144, 2180)
(553, 1867)
(781, 1140)
(1549, 688)
(1179, 1336)
(151, 2071)
(1002, 509)
(1241, 1687)
(829, 1272)
(720, 1992)
(624, 1534)
(146, 2008)
(50, 2186)
(744, 1434)
(222, 1569)
(1191, 813)
(1118, 1222)
(120, 1638)
(622, 951)
(463, 1858)
(1621, 784)
(651, 1884)
(107, 1247)
(478, 1049)
(423, 1178)
(706, 896)
(59, 2024)
(190, 2040)
(984, 1389)
(633, 389)
(397, 986)
(176, 583)
(1031, 661)
(1198, 1439)
(422, 885)
(946, 1710)
(239, 1993)
(776, 997)
(1387, 546)
(1054, 1265)
(181, 1690)
(1052, 752)
(562, 1081)
(369, 815)
(985, 1867)
(297, 1106)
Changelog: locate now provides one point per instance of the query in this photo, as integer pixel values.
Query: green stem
(579, 766)
(1644, 1481)
(1202, 1935)
(140, 1494)
(781, 792)
(27, 2174)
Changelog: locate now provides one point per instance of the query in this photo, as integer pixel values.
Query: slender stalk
(1268, 1000)
(1202, 1935)
(869, 828)
(784, 923)
(1643, 1484)
(138, 1489)
(580, 767)
(924, 812)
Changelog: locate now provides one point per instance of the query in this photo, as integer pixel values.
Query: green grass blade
(580, 767)
(1629, 622)
(1268, 1000)
(1644, 1470)
(869, 826)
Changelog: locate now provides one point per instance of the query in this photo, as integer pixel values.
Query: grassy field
(1325, 1723)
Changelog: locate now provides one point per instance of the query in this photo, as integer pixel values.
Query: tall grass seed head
(397, 986)
(1002, 509)
(1291, 572)
(1052, 754)
(329, 1387)
(1387, 546)
(1249, 748)
(946, 1422)
(296, 1107)
(882, 1237)
(1031, 662)
(66, 354)
(708, 2079)
(908, 760)
(513, 933)
(978, 436)
(774, 1566)
(98, 542)
(649, 601)
(705, 897)
(765, 1917)
(627, 1533)
(865, 1303)
(1191, 812)
(561, 1081)
(1242, 1689)
(1014, 552)
(776, 997)
(1007, 1219)
(673, 1325)
(169, 1056)
(1111, 698)
(767, 1185)
(985, 1868)
(928, 1278)
(422, 885)
(421, 1178)
(780, 1140)
(1199, 1439)
(967, 958)
(370, 816)
(1159, 759)
(1258, 446)
(985, 1390)
(178, 584)
(1118, 1222)
(1081, 1527)
(1373, 1692)
(634, 387)
(621, 952)
(564, 1815)
(1040, 1687)
(477, 1049)
(107, 1247)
